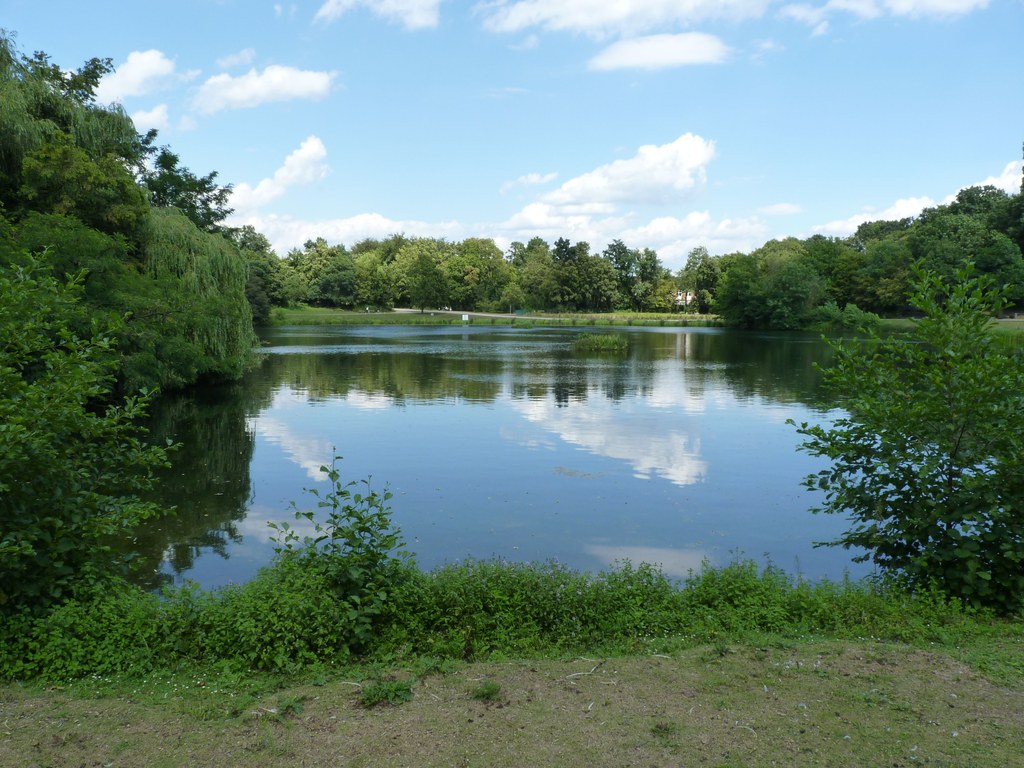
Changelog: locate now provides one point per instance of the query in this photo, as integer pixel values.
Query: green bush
(850, 318)
(284, 619)
(928, 462)
(71, 459)
(290, 618)
(356, 552)
(101, 630)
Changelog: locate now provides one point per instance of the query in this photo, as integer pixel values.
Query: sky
(668, 124)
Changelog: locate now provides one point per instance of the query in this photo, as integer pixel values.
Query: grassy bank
(325, 316)
(500, 664)
(345, 653)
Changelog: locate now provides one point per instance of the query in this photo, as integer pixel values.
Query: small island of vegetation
(600, 342)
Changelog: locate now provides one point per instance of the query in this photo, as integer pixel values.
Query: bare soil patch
(814, 704)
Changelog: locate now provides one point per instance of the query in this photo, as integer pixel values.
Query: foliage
(290, 618)
(207, 301)
(284, 619)
(391, 692)
(355, 551)
(773, 287)
(71, 458)
(600, 342)
(41, 102)
(929, 459)
(102, 629)
(77, 180)
(62, 178)
(171, 185)
(850, 318)
(427, 283)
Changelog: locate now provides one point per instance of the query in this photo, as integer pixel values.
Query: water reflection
(677, 563)
(500, 441)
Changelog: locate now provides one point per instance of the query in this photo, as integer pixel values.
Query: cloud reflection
(675, 562)
(653, 443)
(307, 452)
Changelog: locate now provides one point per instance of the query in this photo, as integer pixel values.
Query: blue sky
(666, 123)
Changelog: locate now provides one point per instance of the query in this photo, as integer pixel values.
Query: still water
(504, 442)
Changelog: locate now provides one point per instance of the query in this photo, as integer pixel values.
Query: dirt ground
(824, 704)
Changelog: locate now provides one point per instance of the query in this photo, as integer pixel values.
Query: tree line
(474, 274)
(794, 283)
(784, 284)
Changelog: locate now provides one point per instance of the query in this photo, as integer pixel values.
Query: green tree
(928, 460)
(701, 275)
(71, 459)
(61, 178)
(377, 281)
(263, 285)
(40, 101)
(598, 284)
(171, 185)
(337, 284)
(624, 261)
(427, 284)
(205, 277)
(773, 287)
(944, 241)
(537, 276)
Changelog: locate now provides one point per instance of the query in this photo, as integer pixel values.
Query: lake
(504, 442)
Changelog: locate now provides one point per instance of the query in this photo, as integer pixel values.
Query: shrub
(71, 459)
(928, 461)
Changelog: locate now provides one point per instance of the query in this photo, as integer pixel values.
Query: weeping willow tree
(72, 170)
(41, 102)
(208, 304)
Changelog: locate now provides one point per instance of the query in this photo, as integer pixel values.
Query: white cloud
(661, 52)
(673, 238)
(864, 9)
(303, 166)
(654, 174)
(810, 15)
(528, 43)
(767, 46)
(529, 180)
(240, 59)
(901, 209)
(152, 118)
(275, 83)
(141, 73)
(815, 16)
(1009, 180)
(599, 17)
(540, 219)
(590, 206)
(411, 14)
(933, 7)
(286, 232)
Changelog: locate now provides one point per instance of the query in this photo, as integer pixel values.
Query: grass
(305, 315)
(770, 700)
